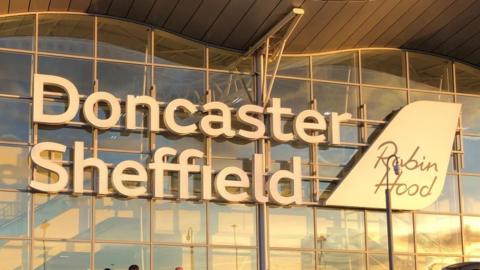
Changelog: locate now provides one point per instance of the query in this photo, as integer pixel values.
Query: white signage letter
(119, 176)
(244, 118)
(153, 112)
(169, 116)
(224, 120)
(49, 165)
(300, 126)
(221, 184)
(112, 103)
(277, 111)
(334, 121)
(79, 165)
(296, 181)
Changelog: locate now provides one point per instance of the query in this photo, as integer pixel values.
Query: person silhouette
(133, 267)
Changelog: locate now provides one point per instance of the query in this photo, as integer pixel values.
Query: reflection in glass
(471, 235)
(402, 231)
(62, 216)
(294, 94)
(471, 148)
(429, 72)
(340, 229)
(114, 157)
(122, 40)
(123, 79)
(16, 32)
(232, 152)
(14, 217)
(448, 200)
(78, 71)
(172, 50)
(380, 262)
(332, 160)
(15, 254)
(298, 220)
(226, 60)
(280, 260)
(229, 258)
(69, 35)
(234, 90)
(435, 263)
(123, 140)
(297, 66)
(432, 238)
(15, 73)
(179, 222)
(341, 261)
(121, 256)
(173, 83)
(470, 190)
(14, 173)
(180, 143)
(114, 217)
(470, 113)
(336, 67)
(381, 102)
(467, 79)
(232, 224)
(61, 255)
(67, 136)
(384, 67)
(416, 96)
(336, 98)
(190, 258)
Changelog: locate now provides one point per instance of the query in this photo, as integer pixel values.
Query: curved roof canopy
(444, 27)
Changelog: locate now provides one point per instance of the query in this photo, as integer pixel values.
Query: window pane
(67, 136)
(17, 32)
(381, 102)
(72, 34)
(298, 220)
(336, 98)
(297, 66)
(114, 217)
(280, 260)
(223, 258)
(470, 190)
(332, 160)
(294, 94)
(79, 72)
(380, 262)
(432, 262)
(336, 67)
(226, 60)
(470, 113)
(121, 256)
(341, 261)
(416, 96)
(15, 119)
(122, 40)
(340, 229)
(123, 140)
(172, 50)
(14, 172)
(62, 216)
(437, 234)
(429, 72)
(14, 217)
(471, 235)
(234, 90)
(173, 83)
(190, 258)
(382, 67)
(232, 152)
(61, 255)
(179, 222)
(402, 231)
(471, 147)
(467, 79)
(15, 254)
(448, 200)
(15, 73)
(232, 224)
(123, 79)
(180, 143)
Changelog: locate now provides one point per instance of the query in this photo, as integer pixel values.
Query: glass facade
(61, 231)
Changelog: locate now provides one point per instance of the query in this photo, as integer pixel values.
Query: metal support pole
(388, 203)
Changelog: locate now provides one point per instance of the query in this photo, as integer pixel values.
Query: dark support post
(388, 207)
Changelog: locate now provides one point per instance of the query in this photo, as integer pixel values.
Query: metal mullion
(365, 236)
(152, 145)
(70, 56)
(95, 148)
(208, 159)
(362, 110)
(314, 167)
(407, 73)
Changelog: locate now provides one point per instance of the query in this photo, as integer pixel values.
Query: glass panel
(467, 79)
(61, 255)
(298, 220)
(341, 261)
(294, 94)
(381, 102)
(15, 73)
(14, 213)
(189, 258)
(435, 263)
(62, 216)
(17, 32)
(471, 147)
(333, 159)
(416, 96)
(14, 172)
(123, 140)
(336, 98)
(179, 222)
(336, 67)
(402, 231)
(383, 67)
(114, 217)
(172, 50)
(340, 229)
(221, 59)
(471, 235)
(232, 224)
(223, 258)
(296, 66)
(180, 143)
(234, 90)
(173, 83)
(121, 256)
(15, 254)
(470, 113)
(438, 234)
(232, 152)
(448, 200)
(79, 72)
(72, 34)
(122, 40)
(380, 262)
(429, 72)
(470, 190)
(123, 79)
(115, 157)
(280, 260)
(67, 136)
